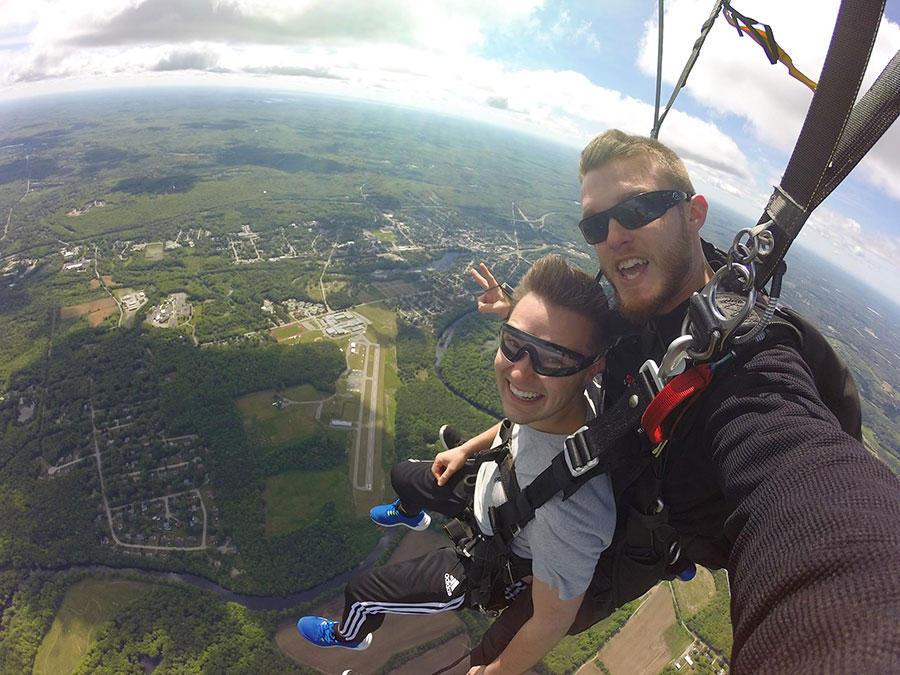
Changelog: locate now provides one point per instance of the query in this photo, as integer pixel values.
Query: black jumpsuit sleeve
(814, 520)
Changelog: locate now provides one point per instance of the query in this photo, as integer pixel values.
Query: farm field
(640, 647)
(97, 310)
(86, 606)
(435, 659)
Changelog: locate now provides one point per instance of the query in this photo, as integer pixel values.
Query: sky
(565, 70)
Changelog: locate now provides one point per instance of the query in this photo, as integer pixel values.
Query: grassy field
(87, 605)
(391, 383)
(304, 392)
(384, 323)
(676, 639)
(292, 499)
(154, 251)
(694, 595)
(262, 419)
(312, 336)
(342, 408)
(384, 235)
(285, 332)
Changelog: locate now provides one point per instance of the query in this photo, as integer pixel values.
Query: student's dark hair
(556, 282)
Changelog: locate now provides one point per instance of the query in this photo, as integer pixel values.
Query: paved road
(109, 516)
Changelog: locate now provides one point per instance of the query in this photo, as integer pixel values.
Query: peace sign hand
(493, 300)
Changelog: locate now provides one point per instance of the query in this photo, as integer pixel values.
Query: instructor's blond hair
(614, 144)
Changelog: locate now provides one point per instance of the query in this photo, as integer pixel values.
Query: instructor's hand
(447, 463)
(493, 300)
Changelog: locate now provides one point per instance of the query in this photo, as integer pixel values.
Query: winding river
(256, 602)
(443, 343)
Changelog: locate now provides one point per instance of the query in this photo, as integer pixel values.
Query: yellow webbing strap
(763, 35)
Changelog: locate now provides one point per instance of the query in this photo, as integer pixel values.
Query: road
(106, 288)
(27, 190)
(109, 516)
(367, 424)
(322, 278)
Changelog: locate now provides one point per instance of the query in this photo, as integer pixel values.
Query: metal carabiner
(723, 326)
(675, 358)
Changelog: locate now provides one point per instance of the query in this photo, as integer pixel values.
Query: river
(443, 343)
(256, 602)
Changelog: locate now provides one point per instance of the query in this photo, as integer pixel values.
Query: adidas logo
(450, 582)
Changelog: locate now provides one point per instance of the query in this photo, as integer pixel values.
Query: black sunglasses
(631, 214)
(547, 358)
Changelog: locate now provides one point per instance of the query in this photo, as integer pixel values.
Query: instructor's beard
(674, 266)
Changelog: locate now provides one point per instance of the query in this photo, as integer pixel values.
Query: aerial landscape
(226, 313)
(236, 239)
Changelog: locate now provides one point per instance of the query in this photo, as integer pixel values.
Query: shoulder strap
(594, 449)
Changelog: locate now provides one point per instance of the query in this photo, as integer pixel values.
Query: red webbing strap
(658, 419)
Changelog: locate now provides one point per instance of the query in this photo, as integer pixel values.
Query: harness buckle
(650, 379)
(578, 453)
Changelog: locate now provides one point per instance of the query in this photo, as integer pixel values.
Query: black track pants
(435, 582)
(417, 488)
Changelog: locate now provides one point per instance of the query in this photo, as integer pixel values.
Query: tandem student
(550, 351)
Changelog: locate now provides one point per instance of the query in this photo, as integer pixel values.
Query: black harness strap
(807, 174)
(594, 449)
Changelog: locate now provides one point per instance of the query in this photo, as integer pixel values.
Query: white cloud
(733, 77)
(849, 235)
(423, 52)
(564, 103)
(438, 25)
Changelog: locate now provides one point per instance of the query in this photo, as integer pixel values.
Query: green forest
(468, 364)
(172, 628)
(193, 392)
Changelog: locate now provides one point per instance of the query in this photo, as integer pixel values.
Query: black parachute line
(692, 59)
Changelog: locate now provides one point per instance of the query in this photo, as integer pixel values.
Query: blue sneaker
(389, 516)
(320, 632)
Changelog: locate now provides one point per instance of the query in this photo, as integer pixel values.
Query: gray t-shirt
(566, 537)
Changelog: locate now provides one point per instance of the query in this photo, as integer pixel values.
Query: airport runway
(367, 424)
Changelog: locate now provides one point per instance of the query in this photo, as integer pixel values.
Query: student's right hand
(493, 300)
(447, 463)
